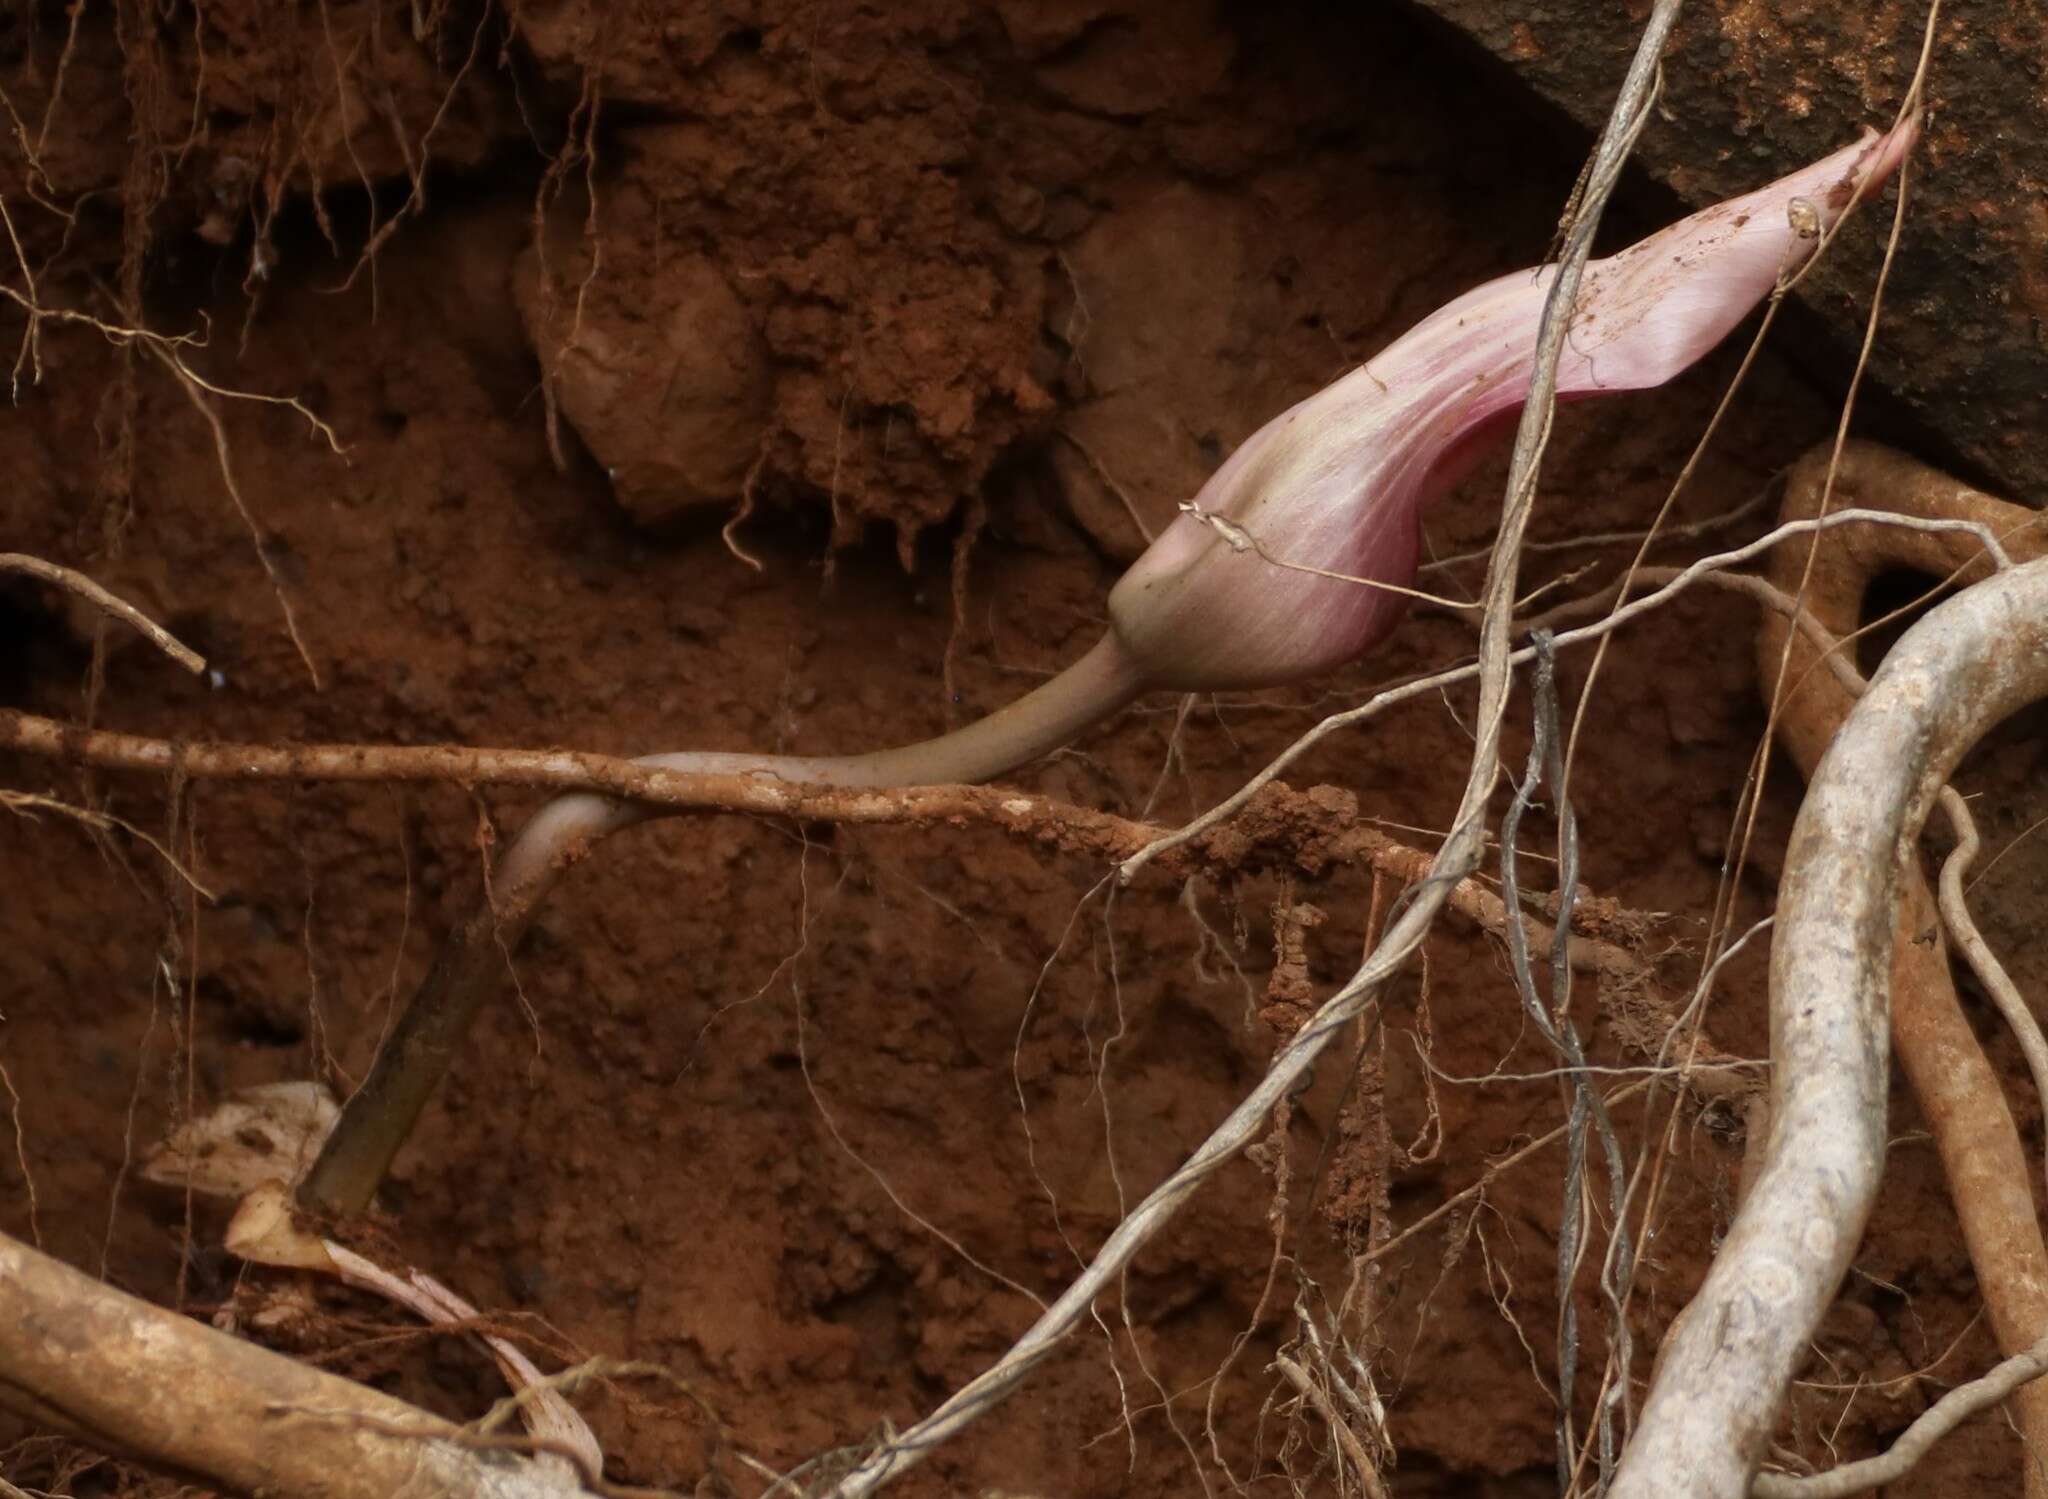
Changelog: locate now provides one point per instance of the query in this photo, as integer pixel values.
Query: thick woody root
(1728, 1362)
(1958, 1090)
(129, 1377)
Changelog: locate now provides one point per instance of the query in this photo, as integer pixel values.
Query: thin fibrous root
(1916, 1441)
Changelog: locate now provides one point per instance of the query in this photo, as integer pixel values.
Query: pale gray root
(1370, 1484)
(134, 1380)
(1916, 1441)
(84, 587)
(1730, 1358)
(1962, 930)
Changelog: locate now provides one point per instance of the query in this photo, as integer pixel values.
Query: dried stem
(1728, 1362)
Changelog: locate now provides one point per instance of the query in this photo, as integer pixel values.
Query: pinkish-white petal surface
(1337, 483)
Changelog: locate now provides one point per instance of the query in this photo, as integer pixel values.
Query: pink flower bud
(1337, 483)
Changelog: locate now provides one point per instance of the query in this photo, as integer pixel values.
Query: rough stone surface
(1750, 90)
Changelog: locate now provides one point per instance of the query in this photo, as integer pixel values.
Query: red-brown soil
(921, 286)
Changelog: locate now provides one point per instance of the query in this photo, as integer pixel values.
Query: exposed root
(1208, 940)
(338, 69)
(28, 803)
(1962, 930)
(1959, 1090)
(1311, 830)
(1974, 660)
(135, 1089)
(729, 532)
(137, 1378)
(873, 1172)
(416, 166)
(203, 404)
(1364, 1470)
(1684, 578)
(579, 147)
(1272, 1155)
(1591, 540)
(28, 1178)
(2015, 1374)
(79, 584)
(73, 13)
(974, 522)
(486, 840)
(1024, 1018)
(1108, 479)
(1587, 1114)
(1500, 1286)
(203, 394)
(30, 355)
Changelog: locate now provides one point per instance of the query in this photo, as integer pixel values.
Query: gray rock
(1751, 91)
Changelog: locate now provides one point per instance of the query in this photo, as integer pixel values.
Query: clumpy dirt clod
(662, 374)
